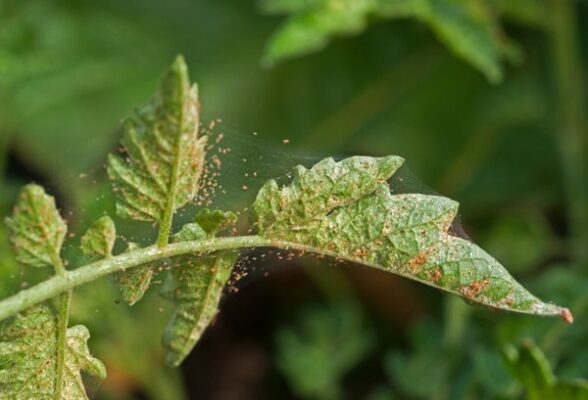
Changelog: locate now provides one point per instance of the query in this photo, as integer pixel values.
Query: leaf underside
(467, 27)
(28, 357)
(164, 159)
(36, 228)
(164, 156)
(195, 285)
(133, 284)
(99, 238)
(346, 210)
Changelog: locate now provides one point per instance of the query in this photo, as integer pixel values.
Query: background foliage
(485, 99)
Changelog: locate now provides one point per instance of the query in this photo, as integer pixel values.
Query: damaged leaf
(163, 154)
(345, 209)
(195, 285)
(28, 358)
(133, 283)
(99, 238)
(36, 228)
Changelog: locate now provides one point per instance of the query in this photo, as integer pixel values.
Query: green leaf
(312, 25)
(164, 154)
(531, 368)
(36, 228)
(345, 210)
(311, 195)
(213, 221)
(188, 232)
(467, 27)
(28, 358)
(195, 285)
(163, 164)
(196, 288)
(99, 238)
(133, 283)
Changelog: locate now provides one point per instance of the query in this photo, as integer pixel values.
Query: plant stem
(62, 323)
(168, 215)
(61, 283)
(572, 124)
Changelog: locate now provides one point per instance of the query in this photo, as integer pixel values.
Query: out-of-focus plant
(469, 28)
(318, 351)
(530, 366)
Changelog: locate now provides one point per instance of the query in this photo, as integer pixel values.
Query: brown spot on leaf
(360, 253)
(474, 288)
(417, 261)
(435, 274)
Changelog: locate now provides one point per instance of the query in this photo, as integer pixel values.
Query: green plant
(529, 365)
(470, 29)
(316, 353)
(338, 209)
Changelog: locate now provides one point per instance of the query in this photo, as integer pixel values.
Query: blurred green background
(485, 100)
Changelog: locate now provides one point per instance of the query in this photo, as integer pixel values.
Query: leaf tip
(566, 315)
(179, 65)
(390, 164)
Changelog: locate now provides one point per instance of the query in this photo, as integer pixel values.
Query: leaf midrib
(166, 221)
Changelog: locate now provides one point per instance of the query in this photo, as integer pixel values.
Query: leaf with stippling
(345, 210)
(195, 285)
(530, 367)
(99, 238)
(133, 284)
(213, 221)
(196, 289)
(28, 358)
(312, 194)
(36, 228)
(467, 27)
(164, 154)
(188, 232)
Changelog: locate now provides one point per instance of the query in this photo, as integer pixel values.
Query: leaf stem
(170, 206)
(58, 284)
(62, 323)
(63, 306)
(168, 215)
